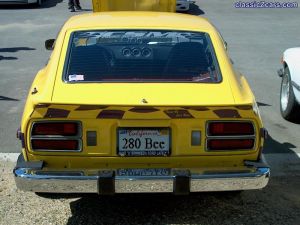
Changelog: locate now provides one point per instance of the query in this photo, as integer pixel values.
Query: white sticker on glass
(76, 77)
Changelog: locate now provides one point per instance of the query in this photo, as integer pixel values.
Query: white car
(290, 85)
(183, 5)
(9, 2)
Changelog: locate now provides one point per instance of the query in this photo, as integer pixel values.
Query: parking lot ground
(278, 203)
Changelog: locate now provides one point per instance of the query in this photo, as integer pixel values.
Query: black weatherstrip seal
(106, 182)
(21, 163)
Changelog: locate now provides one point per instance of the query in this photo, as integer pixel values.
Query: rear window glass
(141, 56)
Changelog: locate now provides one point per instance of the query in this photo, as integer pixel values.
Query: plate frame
(144, 128)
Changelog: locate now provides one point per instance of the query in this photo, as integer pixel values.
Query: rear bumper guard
(107, 182)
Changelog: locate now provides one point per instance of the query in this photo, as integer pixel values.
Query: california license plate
(144, 142)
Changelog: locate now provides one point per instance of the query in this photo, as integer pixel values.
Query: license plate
(143, 172)
(144, 142)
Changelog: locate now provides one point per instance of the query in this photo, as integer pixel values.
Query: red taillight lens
(55, 128)
(230, 128)
(72, 145)
(56, 136)
(230, 144)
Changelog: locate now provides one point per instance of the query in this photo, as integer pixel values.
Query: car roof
(139, 20)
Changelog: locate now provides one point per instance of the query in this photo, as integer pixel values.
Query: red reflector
(230, 128)
(55, 128)
(230, 144)
(54, 145)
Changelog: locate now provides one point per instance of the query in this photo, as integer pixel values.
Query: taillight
(230, 135)
(230, 128)
(230, 144)
(55, 144)
(55, 128)
(56, 136)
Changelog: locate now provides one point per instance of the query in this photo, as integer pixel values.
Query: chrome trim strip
(201, 180)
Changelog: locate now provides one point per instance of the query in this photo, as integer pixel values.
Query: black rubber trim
(21, 163)
(21, 137)
(264, 133)
(182, 182)
(106, 183)
(257, 164)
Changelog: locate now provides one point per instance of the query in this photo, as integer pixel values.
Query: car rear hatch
(144, 94)
(110, 115)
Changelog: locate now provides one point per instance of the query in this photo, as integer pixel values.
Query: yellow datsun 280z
(140, 102)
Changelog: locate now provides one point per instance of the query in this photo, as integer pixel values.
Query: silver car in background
(290, 85)
(11, 2)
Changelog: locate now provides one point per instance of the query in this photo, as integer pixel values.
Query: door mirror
(49, 44)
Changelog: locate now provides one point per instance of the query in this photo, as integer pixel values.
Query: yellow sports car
(140, 102)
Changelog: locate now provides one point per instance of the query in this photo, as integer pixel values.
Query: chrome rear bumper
(178, 181)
